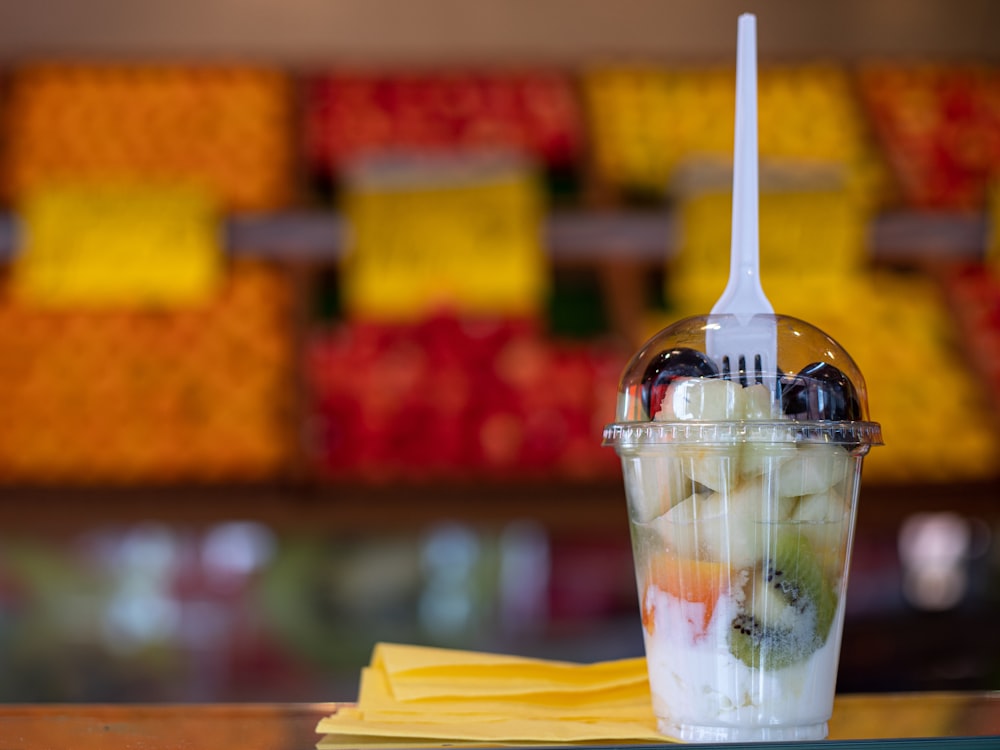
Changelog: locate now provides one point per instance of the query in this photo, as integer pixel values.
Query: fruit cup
(742, 492)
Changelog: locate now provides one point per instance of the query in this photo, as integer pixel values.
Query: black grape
(820, 392)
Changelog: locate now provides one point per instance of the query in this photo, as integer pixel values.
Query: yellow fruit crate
(901, 333)
(806, 232)
(150, 396)
(647, 120)
(228, 129)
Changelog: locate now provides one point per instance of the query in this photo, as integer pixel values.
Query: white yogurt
(702, 693)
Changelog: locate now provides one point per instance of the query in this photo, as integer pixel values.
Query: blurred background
(311, 314)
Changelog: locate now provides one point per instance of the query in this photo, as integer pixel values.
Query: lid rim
(737, 431)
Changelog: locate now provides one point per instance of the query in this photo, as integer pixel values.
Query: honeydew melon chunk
(653, 485)
(705, 400)
(765, 452)
(716, 400)
(718, 467)
(828, 506)
(732, 528)
(702, 399)
(712, 466)
(757, 403)
(822, 518)
(813, 469)
(728, 533)
(678, 528)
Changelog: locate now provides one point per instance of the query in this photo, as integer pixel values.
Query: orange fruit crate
(227, 129)
(150, 396)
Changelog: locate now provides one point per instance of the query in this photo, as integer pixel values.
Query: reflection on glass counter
(238, 611)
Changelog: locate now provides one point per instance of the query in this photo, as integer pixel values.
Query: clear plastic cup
(742, 498)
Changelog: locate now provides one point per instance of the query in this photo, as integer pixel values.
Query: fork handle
(745, 241)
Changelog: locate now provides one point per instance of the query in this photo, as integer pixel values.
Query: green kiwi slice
(786, 606)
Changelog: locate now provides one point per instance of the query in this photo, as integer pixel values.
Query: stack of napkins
(431, 696)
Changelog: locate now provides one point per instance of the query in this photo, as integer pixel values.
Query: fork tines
(741, 373)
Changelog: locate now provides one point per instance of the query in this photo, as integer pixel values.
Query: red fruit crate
(351, 113)
(939, 125)
(449, 399)
(974, 294)
(150, 396)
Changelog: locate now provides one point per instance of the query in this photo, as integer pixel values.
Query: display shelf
(564, 505)
(570, 236)
(912, 235)
(626, 243)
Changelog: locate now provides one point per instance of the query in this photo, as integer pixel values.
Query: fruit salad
(741, 495)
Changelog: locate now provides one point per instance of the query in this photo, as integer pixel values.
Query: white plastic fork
(744, 341)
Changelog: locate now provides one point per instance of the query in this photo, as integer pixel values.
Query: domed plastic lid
(672, 390)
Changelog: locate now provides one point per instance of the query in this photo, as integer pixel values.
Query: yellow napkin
(428, 696)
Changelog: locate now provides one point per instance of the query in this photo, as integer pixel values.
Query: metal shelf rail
(577, 236)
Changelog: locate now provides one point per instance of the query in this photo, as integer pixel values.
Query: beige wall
(571, 31)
